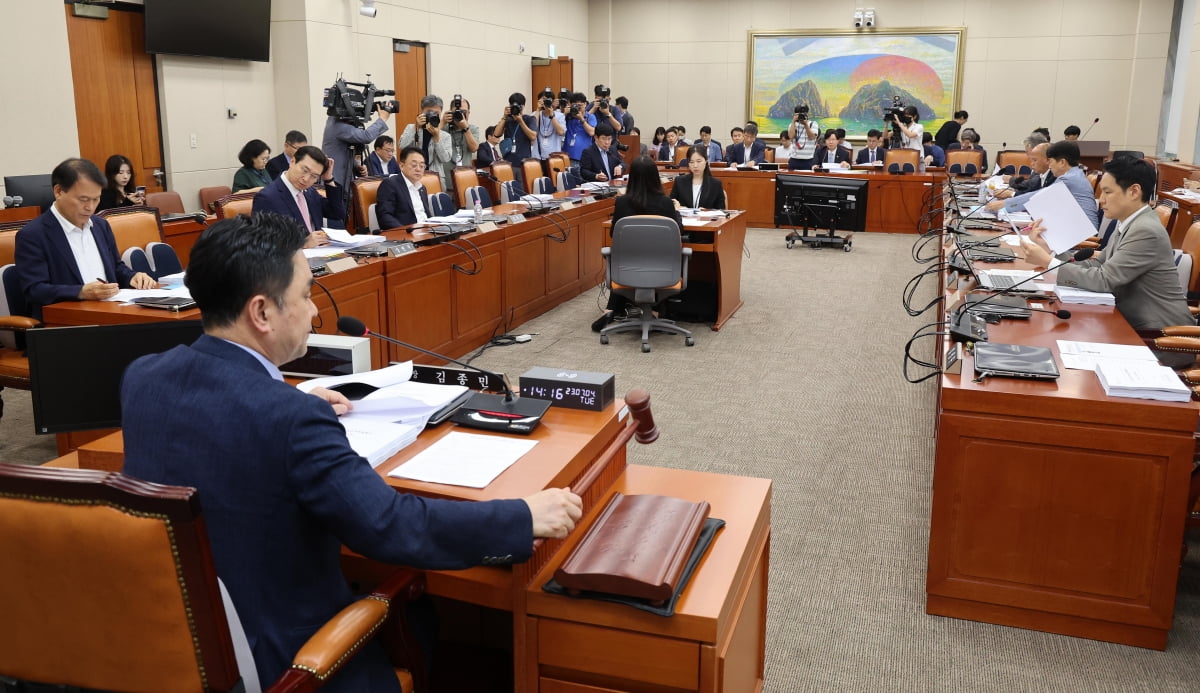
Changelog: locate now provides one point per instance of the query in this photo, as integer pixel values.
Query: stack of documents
(464, 459)
(1085, 355)
(378, 440)
(1067, 294)
(341, 238)
(1141, 380)
(127, 295)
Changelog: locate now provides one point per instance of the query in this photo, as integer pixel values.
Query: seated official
(934, 155)
(121, 190)
(751, 151)
(643, 195)
(488, 152)
(601, 162)
(402, 200)
(283, 490)
(668, 149)
(66, 254)
(698, 187)
(253, 175)
(292, 141)
(874, 150)
(830, 152)
(786, 149)
(1063, 160)
(293, 194)
(968, 141)
(715, 151)
(1040, 178)
(382, 161)
(1137, 265)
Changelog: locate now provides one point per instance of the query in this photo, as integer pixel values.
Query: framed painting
(847, 78)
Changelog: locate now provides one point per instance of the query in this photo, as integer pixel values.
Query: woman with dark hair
(253, 174)
(120, 191)
(697, 187)
(643, 195)
(660, 136)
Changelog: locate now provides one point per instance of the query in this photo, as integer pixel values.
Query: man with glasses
(293, 194)
(382, 162)
(601, 162)
(291, 142)
(402, 200)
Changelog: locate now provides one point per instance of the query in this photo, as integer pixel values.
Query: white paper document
(127, 295)
(1062, 217)
(1068, 294)
(464, 459)
(1084, 355)
(378, 440)
(341, 238)
(1141, 380)
(382, 377)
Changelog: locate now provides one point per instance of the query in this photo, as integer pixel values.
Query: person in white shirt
(402, 200)
(912, 130)
(805, 136)
(786, 149)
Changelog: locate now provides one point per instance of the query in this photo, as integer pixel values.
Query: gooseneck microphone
(506, 413)
(1085, 134)
(967, 325)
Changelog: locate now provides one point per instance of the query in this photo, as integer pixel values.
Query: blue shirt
(938, 154)
(1080, 189)
(576, 140)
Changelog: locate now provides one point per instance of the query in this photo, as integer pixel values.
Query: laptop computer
(984, 253)
(1000, 280)
(995, 307)
(1014, 361)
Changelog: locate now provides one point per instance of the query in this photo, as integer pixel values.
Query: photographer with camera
(342, 135)
(465, 138)
(581, 126)
(517, 134)
(805, 135)
(425, 133)
(603, 110)
(907, 123)
(551, 124)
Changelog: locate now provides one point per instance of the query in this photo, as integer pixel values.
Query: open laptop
(1014, 361)
(1001, 280)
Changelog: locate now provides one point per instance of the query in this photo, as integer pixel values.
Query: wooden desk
(716, 257)
(182, 234)
(1056, 508)
(19, 213)
(715, 642)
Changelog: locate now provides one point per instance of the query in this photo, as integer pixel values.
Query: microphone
(966, 323)
(13, 201)
(505, 413)
(1085, 134)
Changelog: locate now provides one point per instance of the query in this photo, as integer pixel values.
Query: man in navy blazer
(394, 205)
(281, 195)
(832, 152)
(292, 141)
(750, 150)
(66, 254)
(282, 489)
(382, 161)
(600, 162)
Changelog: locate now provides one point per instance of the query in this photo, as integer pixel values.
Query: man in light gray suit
(1137, 265)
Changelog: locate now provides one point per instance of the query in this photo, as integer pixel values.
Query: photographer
(910, 129)
(465, 138)
(551, 124)
(804, 134)
(627, 123)
(426, 134)
(605, 111)
(581, 126)
(342, 135)
(517, 134)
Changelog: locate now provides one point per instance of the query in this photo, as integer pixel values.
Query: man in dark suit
(291, 142)
(1040, 178)
(948, 132)
(382, 161)
(66, 254)
(283, 490)
(284, 194)
(874, 150)
(402, 200)
(600, 162)
(831, 153)
(488, 153)
(750, 150)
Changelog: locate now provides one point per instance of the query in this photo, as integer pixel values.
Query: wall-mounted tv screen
(237, 29)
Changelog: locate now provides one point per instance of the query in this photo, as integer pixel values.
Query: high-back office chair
(167, 202)
(232, 205)
(768, 155)
(432, 182)
(566, 180)
(502, 171)
(963, 162)
(902, 160)
(134, 227)
(464, 177)
(511, 190)
(558, 162)
(110, 585)
(14, 321)
(209, 196)
(543, 186)
(480, 193)
(1167, 211)
(441, 205)
(1013, 162)
(531, 169)
(646, 264)
(363, 193)
(681, 154)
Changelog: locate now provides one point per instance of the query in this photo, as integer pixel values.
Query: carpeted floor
(803, 387)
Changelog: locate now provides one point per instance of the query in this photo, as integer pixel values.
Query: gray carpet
(803, 387)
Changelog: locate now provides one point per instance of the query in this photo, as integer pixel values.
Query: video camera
(356, 105)
(894, 111)
(801, 112)
(456, 110)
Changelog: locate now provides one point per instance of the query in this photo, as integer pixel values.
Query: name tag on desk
(567, 205)
(486, 226)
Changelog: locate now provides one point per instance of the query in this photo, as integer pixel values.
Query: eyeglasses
(306, 172)
(414, 163)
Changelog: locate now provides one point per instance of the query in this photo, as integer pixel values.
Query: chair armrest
(1181, 331)
(1186, 345)
(18, 323)
(1089, 243)
(683, 273)
(345, 634)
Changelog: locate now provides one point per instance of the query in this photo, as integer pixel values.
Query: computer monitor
(35, 190)
(76, 371)
(821, 202)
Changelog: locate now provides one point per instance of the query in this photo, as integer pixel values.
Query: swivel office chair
(432, 182)
(441, 204)
(166, 202)
(363, 193)
(902, 160)
(464, 177)
(964, 162)
(110, 585)
(232, 205)
(646, 264)
(1013, 162)
(480, 194)
(209, 196)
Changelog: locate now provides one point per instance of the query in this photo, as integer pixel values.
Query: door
(116, 97)
(409, 67)
(555, 73)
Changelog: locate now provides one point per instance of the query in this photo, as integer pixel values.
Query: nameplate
(341, 264)
(516, 218)
(567, 205)
(402, 248)
(486, 226)
(953, 359)
(451, 375)
(588, 200)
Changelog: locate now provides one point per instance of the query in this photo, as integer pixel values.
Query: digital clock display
(570, 389)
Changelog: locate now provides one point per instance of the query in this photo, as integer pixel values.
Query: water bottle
(478, 211)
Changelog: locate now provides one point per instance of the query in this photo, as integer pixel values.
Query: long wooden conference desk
(1056, 507)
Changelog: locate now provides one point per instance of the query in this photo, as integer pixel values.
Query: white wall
(1027, 63)
(1189, 131)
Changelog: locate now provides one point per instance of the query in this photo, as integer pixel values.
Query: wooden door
(411, 81)
(116, 99)
(555, 73)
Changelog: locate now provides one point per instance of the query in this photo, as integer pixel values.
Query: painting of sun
(847, 78)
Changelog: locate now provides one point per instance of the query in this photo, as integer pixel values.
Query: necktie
(871, 156)
(303, 205)
(604, 158)
(495, 153)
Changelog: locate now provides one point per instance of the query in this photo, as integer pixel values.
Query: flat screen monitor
(236, 29)
(76, 371)
(826, 202)
(35, 191)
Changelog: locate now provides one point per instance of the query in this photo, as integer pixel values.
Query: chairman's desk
(1055, 507)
